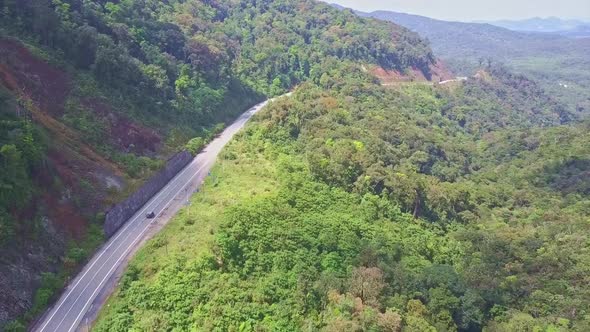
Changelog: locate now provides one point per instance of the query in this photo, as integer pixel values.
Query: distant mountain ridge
(552, 59)
(538, 24)
(460, 39)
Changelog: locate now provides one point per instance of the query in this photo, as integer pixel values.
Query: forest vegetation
(348, 206)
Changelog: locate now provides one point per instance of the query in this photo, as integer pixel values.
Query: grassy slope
(231, 181)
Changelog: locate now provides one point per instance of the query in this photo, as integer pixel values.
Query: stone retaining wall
(120, 213)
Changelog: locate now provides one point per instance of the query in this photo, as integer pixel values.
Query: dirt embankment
(47, 86)
(438, 73)
(124, 133)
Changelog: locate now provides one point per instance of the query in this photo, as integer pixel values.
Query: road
(78, 305)
(456, 79)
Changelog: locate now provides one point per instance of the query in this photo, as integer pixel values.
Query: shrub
(195, 145)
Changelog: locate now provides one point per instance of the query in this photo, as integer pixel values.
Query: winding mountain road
(82, 299)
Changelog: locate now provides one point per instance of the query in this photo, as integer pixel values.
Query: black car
(151, 215)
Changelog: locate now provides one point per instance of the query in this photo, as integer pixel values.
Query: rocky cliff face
(22, 267)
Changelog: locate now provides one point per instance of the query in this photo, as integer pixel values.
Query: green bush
(76, 255)
(14, 326)
(139, 166)
(195, 145)
(50, 284)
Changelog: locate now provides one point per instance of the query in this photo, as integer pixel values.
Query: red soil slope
(439, 72)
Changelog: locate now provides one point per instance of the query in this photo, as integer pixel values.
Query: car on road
(151, 215)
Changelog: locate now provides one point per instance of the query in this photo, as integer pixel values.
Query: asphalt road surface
(78, 305)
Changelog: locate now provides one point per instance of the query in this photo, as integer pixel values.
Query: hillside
(356, 207)
(558, 63)
(368, 200)
(95, 96)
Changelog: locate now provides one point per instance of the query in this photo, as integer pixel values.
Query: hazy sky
(471, 10)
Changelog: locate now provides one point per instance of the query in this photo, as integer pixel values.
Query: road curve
(79, 302)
